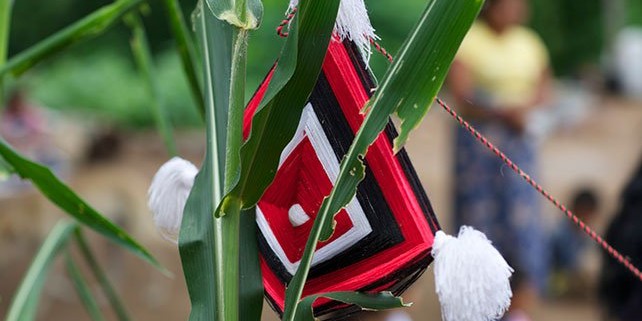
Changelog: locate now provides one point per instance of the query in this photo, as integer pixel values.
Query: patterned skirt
(492, 198)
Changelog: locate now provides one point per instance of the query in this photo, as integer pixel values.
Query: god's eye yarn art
(388, 234)
(382, 239)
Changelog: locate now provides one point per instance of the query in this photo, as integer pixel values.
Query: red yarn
(284, 22)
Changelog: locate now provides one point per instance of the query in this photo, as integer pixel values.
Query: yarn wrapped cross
(383, 238)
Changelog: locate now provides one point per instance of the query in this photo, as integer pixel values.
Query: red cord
(585, 228)
(598, 239)
(381, 50)
(285, 22)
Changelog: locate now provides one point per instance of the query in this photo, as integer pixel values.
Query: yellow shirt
(506, 68)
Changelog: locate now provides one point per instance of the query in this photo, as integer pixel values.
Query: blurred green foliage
(107, 85)
(634, 10)
(572, 30)
(99, 77)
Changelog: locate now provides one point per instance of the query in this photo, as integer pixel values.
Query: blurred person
(501, 74)
(569, 245)
(104, 146)
(22, 125)
(619, 290)
(25, 127)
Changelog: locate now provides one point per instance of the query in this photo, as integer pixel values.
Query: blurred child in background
(569, 244)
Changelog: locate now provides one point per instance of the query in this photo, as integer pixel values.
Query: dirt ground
(600, 152)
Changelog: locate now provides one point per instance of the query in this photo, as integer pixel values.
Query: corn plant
(217, 243)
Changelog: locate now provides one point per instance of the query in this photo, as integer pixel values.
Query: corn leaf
(423, 62)
(425, 59)
(243, 14)
(144, 60)
(25, 302)
(88, 27)
(101, 277)
(251, 280)
(5, 22)
(82, 289)
(61, 195)
(276, 119)
(366, 301)
(186, 50)
(210, 247)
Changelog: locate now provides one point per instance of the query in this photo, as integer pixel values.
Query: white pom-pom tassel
(168, 194)
(353, 23)
(471, 277)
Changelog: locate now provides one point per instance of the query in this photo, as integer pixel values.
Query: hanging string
(590, 232)
(483, 140)
(285, 22)
(381, 50)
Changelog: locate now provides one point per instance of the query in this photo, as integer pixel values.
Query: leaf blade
(424, 60)
(61, 195)
(82, 289)
(24, 304)
(366, 301)
(187, 51)
(210, 246)
(88, 27)
(5, 24)
(251, 280)
(99, 274)
(142, 54)
(275, 121)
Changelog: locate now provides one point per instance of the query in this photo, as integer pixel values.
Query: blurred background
(88, 118)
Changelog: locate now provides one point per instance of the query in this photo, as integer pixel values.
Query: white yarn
(471, 277)
(297, 215)
(353, 23)
(168, 194)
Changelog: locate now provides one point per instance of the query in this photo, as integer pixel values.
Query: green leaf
(5, 170)
(61, 195)
(25, 302)
(420, 69)
(366, 301)
(276, 119)
(243, 14)
(186, 50)
(99, 274)
(210, 246)
(196, 247)
(425, 59)
(82, 289)
(5, 23)
(251, 282)
(140, 49)
(88, 27)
